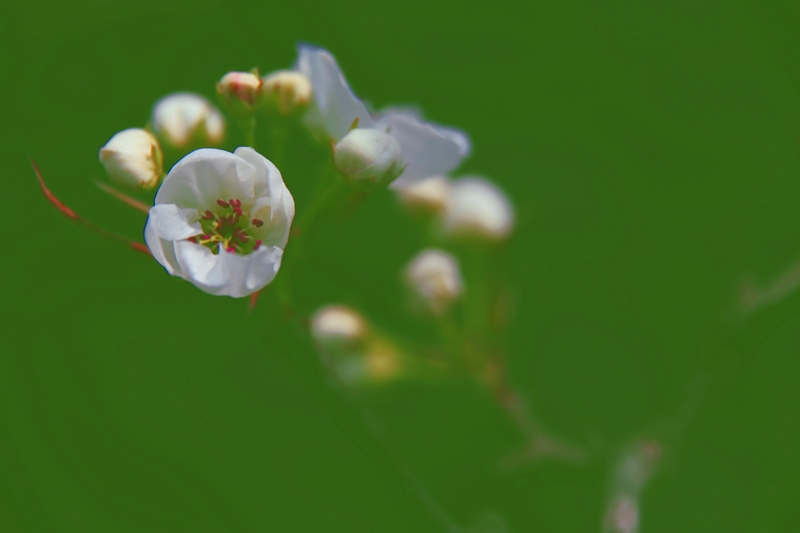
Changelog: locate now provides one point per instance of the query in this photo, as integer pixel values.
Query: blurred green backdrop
(651, 151)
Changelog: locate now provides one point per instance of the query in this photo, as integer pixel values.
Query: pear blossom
(221, 221)
(133, 159)
(477, 209)
(435, 279)
(427, 149)
(183, 118)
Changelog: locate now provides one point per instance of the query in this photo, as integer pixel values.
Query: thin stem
(248, 126)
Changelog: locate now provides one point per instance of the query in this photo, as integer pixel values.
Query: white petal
(204, 176)
(267, 180)
(172, 223)
(228, 274)
(334, 106)
(162, 250)
(427, 149)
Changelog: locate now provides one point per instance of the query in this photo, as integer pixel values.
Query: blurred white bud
(368, 155)
(240, 92)
(622, 516)
(435, 279)
(478, 209)
(429, 195)
(287, 91)
(337, 326)
(185, 119)
(133, 159)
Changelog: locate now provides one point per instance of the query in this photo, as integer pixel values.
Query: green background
(651, 151)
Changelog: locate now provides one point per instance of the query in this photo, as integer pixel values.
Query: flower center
(231, 228)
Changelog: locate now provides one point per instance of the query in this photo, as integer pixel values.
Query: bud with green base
(286, 93)
(241, 94)
(133, 159)
(367, 157)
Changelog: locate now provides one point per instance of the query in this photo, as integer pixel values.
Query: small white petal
(334, 106)
(162, 250)
(172, 223)
(428, 150)
(204, 176)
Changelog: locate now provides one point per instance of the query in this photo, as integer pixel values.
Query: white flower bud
(478, 209)
(622, 516)
(240, 92)
(430, 195)
(368, 155)
(287, 91)
(435, 278)
(185, 119)
(133, 159)
(337, 326)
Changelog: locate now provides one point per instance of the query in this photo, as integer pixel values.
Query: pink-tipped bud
(240, 92)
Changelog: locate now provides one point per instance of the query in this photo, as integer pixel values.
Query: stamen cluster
(231, 229)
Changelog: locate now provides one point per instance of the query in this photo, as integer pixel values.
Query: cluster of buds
(283, 92)
(470, 208)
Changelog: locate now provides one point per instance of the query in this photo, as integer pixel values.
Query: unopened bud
(133, 159)
(182, 120)
(337, 327)
(368, 156)
(478, 209)
(426, 196)
(435, 279)
(622, 516)
(240, 92)
(287, 91)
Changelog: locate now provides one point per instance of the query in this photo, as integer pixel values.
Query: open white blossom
(435, 279)
(133, 159)
(183, 118)
(221, 221)
(427, 149)
(477, 209)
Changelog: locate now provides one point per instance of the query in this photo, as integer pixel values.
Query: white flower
(477, 209)
(427, 149)
(183, 118)
(287, 91)
(430, 195)
(435, 278)
(336, 326)
(367, 154)
(221, 221)
(133, 159)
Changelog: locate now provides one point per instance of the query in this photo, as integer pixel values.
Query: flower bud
(430, 195)
(240, 92)
(133, 159)
(435, 279)
(287, 91)
(478, 209)
(184, 119)
(337, 327)
(369, 156)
